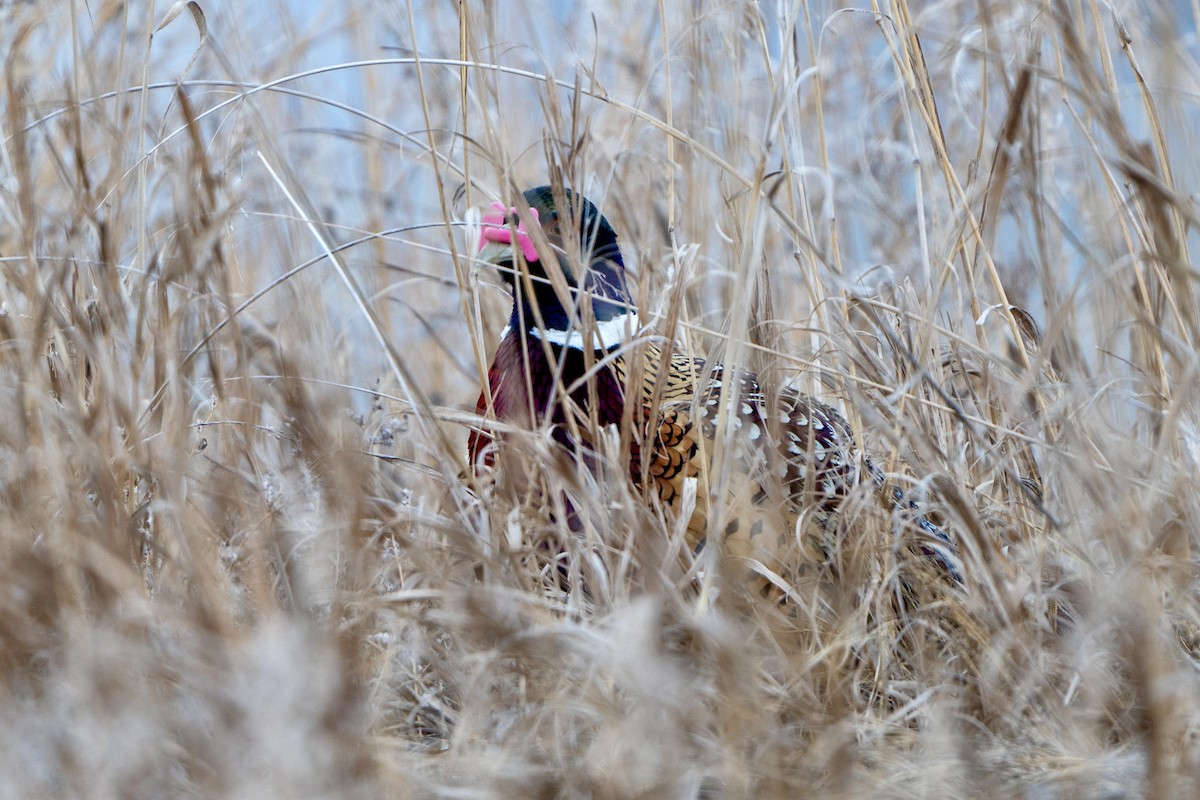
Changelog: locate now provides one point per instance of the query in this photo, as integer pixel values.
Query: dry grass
(241, 334)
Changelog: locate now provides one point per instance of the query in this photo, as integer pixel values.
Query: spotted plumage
(572, 357)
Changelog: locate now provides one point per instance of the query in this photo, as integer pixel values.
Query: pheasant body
(775, 459)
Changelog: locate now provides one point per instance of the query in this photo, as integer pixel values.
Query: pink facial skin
(496, 229)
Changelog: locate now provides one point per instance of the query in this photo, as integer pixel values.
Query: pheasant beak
(495, 253)
(496, 244)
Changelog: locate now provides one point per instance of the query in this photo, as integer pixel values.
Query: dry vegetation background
(241, 335)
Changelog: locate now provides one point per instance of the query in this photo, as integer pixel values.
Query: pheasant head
(561, 260)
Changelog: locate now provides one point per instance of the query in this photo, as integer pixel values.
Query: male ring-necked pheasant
(567, 359)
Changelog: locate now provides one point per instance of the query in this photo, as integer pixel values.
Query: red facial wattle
(496, 229)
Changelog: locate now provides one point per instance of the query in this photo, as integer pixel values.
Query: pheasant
(572, 358)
